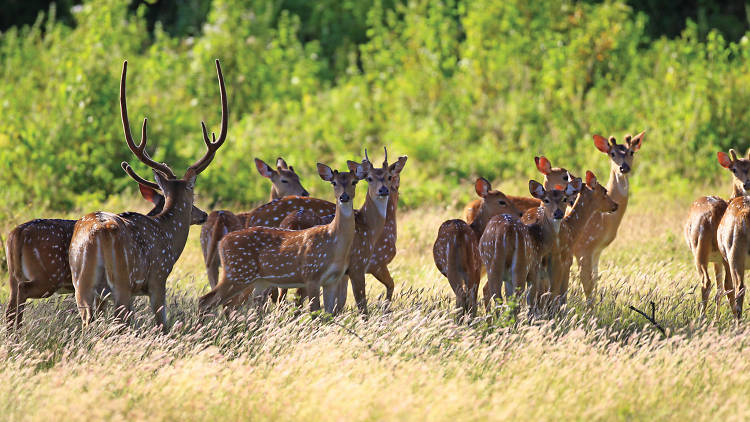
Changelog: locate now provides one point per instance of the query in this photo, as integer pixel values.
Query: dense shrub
(463, 88)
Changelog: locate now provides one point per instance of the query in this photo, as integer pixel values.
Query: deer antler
(140, 150)
(214, 145)
(385, 160)
(129, 170)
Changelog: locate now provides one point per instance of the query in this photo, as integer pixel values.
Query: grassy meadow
(411, 362)
(465, 88)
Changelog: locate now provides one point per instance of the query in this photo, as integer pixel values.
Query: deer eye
(501, 202)
(389, 177)
(631, 153)
(333, 183)
(565, 177)
(369, 179)
(612, 154)
(546, 201)
(284, 181)
(354, 183)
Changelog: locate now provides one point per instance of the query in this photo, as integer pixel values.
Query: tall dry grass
(414, 361)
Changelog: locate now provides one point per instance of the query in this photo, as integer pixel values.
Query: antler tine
(214, 145)
(129, 170)
(385, 160)
(140, 149)
(366, 157)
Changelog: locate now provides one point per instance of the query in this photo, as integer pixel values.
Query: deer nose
(614, 207)
(344, 198)
(305, 192)
(558, 214)
(383, 191)
(624, 168)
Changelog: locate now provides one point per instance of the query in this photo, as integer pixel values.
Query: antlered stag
(130, 253)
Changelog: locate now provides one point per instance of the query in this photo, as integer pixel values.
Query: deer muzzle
(624, 168)
(344, 198)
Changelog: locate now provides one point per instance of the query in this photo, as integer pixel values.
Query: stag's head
(178, 192)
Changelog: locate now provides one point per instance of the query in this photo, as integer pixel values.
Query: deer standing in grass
(553, 176)
(132, 254)
(370, 221)
(37, 254)
(261, 257)
(592, 198)
(602, 228)
(284, 182)
(456, 249)
(703, 222)
(318, 211)
(733, 233)
(509, 245)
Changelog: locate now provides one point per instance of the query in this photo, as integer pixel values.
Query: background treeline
(464, 88)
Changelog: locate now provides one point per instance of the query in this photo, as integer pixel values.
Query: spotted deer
(592, 197)
(37, 254)
(284, 182)
(318, 211)
(702, 223)
(509, 245)
(456, 249)
(552, 176)
(132, 254)
(370, 221)
(260, 257)
(601, 228)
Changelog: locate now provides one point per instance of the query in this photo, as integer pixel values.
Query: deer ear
(482, 186)
(601, 143)
(574, 186)
(148, 193)
(396, 167)
(264, 169)
(281, 164)
(325, 172)
(590, 179)
(359, 170)
(543, 165)
(724, 159)
(536, 189)
(636, 142)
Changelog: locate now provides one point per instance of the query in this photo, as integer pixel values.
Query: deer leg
(357, 276)
(737, 267)
(212, 271)
(719, 276)
(32, 289)
(728, 288)
(586, 265)
(471, 296)
(157, 301)
(384, 276)
(313, 292)
(12, 312)
(342, 289)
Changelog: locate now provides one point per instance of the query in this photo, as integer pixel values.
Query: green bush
(463, 88)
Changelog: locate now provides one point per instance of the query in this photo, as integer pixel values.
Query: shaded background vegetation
(464, 88)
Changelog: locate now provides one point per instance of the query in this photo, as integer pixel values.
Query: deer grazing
(553, 176)
(456, 249)
(703, 222)
(37, 254)
(602, 228)
(261, 257)
(284, 182)
(132, 254)
(509, 245)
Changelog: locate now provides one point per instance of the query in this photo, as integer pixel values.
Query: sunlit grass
(413, 361)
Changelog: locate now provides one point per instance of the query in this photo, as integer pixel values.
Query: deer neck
(274, 194)
(374, 212)
(480, 221)
(737, 189)
(174, 221)
(341, 229)
(582, 210)
(617, 188)
(550, 230)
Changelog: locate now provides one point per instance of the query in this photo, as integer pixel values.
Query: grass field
(413, 362)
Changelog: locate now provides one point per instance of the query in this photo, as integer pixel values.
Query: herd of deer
(295, 241)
